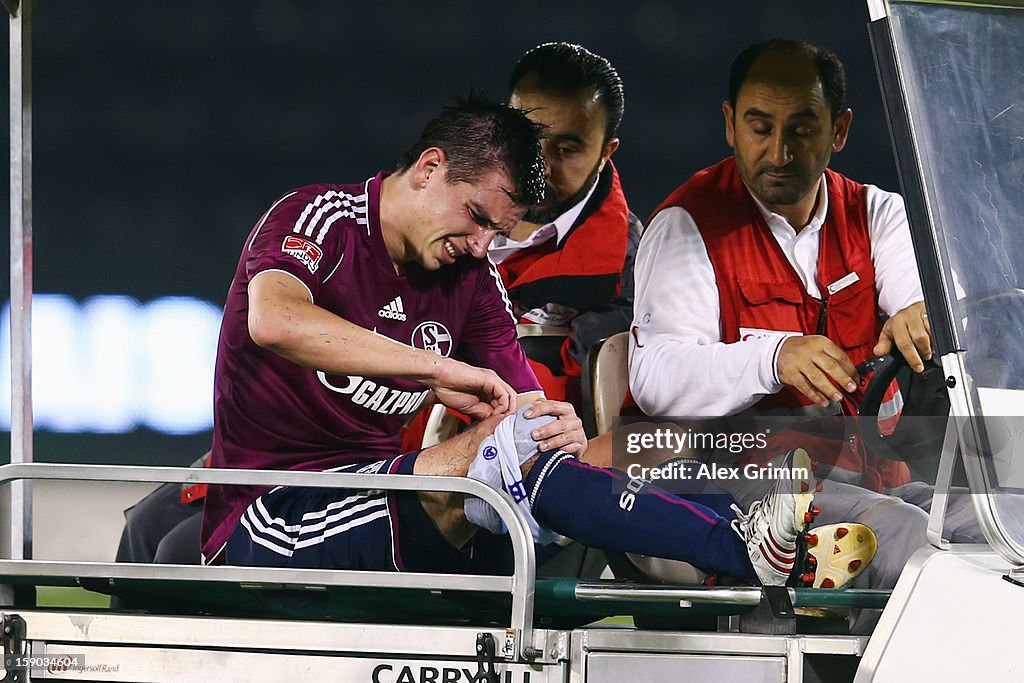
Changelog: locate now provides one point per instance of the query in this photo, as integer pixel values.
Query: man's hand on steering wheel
(910, 332)
(816, 367)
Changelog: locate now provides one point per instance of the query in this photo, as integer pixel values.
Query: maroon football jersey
(270, 413)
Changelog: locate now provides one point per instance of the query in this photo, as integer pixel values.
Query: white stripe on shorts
(282, 538)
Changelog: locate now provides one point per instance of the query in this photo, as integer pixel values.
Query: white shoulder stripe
(264, 219)
(327, 224)
(336, 209)
(330, 205)
(320, 199)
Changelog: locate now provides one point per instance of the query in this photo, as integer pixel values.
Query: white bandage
(497, 463)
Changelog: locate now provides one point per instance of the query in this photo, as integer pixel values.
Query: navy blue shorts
(322, 528)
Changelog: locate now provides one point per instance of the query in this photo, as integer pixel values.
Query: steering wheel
(921, 427)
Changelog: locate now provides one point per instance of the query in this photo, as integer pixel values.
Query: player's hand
(565, 433)
(477, 392)
(910, 332)
(817, 368)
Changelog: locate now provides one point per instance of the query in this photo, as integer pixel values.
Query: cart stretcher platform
(263, 624)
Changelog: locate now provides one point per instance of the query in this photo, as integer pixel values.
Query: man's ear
(432, 160)
(840, 129)
(607, 151)
(730, 128)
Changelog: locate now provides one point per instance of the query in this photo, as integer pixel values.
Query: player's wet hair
(830, 70)
(478, 136)
(567, 68)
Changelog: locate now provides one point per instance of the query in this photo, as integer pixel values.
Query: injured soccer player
(348, 304)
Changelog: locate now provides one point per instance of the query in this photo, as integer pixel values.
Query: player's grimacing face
(463, 217)
(573, 143)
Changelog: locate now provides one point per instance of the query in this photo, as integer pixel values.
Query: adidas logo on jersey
(393, 310)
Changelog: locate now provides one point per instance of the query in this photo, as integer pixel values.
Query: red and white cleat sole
(839, 553)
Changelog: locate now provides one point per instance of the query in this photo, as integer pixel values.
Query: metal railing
(520, 584)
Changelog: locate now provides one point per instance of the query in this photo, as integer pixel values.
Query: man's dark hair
(479, 135)
(830, 70)
(565, 68)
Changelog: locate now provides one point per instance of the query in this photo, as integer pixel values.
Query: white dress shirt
(502, 247)
(679, 366)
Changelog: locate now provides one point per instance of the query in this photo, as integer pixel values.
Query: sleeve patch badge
(305, 251)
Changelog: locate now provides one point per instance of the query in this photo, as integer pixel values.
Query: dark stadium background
(163, 130)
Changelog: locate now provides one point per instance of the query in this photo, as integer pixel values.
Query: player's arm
(284, 319)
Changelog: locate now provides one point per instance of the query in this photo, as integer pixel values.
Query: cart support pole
(16, 534)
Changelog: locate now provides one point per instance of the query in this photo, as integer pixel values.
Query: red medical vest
(759, 290)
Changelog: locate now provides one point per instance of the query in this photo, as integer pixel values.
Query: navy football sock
(605, 508)
(684, 479)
